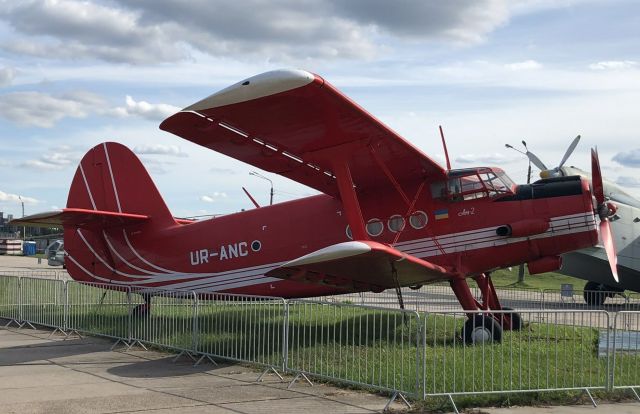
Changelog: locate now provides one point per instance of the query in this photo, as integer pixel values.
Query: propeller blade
(569, 151)
(596, 177)
(536, 161)
(609, 247)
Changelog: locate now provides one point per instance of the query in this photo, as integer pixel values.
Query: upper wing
(370, 265)
(294, 123)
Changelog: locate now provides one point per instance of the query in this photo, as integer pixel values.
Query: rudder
(110, 177)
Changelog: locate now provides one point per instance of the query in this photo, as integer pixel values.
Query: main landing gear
(486, 326)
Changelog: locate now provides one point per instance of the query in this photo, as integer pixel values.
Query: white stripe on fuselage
(425, 247)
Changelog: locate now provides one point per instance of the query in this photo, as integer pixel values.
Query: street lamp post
(521, 267)
(257, 174)
(24, 228)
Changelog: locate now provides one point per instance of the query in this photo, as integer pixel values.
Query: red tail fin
(110, 177)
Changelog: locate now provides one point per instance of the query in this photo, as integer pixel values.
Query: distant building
(7, 231)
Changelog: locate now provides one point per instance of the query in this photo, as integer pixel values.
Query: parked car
(55, 254)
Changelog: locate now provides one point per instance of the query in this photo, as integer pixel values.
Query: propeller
(604, 211)
(551, 172)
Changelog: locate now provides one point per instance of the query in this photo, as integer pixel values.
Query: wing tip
(258, 86)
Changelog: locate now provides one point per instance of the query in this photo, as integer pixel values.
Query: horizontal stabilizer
(78, 217)
(360, 264)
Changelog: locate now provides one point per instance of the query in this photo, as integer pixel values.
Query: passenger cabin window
(472, 184)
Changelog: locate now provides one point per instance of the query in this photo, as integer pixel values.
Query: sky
(74, 74)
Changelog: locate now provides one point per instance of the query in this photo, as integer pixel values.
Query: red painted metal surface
(317, 136)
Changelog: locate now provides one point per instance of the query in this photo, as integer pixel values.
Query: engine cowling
(545, 264)
(523, 228)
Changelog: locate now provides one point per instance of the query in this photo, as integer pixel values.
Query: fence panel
(242, 328)
(560, 353)
(10, 298)
(625, 346)
(98, 309)
(369, 346)
(167, 321)
(438, 297)
(42, 301)
(44, 274)
(558, 299)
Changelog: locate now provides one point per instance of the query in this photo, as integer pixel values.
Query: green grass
(551, 280)
(377, 347)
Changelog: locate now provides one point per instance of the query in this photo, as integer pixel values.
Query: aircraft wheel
(481, 329)
(593, 294)
(516, 320)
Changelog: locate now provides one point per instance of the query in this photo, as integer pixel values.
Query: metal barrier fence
(625, 347)
(42, 302)
(374, 347)
(416, 354)
(555, 354)
(241, 328)
(10, 299)
(102, 310)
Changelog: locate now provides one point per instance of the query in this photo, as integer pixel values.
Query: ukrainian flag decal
(441, 214)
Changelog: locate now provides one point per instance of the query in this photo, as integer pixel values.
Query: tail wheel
(515, 323)
(141, 310)
(481, 329)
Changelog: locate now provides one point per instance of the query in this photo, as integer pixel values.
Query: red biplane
(388, 216)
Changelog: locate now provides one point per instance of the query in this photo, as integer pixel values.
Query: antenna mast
(444, 144)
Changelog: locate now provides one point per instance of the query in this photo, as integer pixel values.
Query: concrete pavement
(40, 375)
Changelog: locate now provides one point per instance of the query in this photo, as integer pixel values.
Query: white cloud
(525, 65)
(626, 181)
(40, 109)
(6, 76)
(16, 198)
(629, 158)
(54, 159)
(160, 149)
(613, 65)
(146, 110)
(213, 197)
(155, 31)
(486, 159)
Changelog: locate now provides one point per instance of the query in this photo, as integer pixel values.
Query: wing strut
(349, 200)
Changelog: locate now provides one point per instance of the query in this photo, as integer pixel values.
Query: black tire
(593, 294)
(516, 320)
(480, 329)
(141, 311)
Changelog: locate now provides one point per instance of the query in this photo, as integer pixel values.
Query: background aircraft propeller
(553, 172)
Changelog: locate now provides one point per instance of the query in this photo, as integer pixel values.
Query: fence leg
(135, 342)
(117, 342)
(591, 397)
(25, 323)
(395, 396)
(300, 374)
(202, 358)
(72, 332)
(187, 353)
(453, 404)
(56, 331)
(635, 393)
(266, 371)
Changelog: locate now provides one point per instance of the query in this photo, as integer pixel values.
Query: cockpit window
(471, 184)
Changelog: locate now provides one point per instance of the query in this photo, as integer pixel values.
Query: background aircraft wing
(294, 123)
(365, 263)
